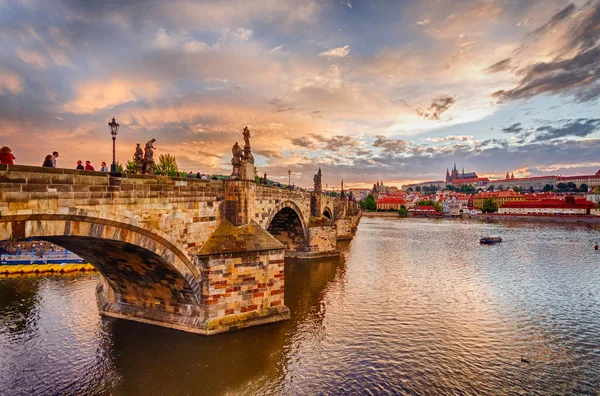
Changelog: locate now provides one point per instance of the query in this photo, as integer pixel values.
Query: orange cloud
(96, 95)
(10, 82)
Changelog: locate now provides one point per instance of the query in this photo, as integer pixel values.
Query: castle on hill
(460, 178)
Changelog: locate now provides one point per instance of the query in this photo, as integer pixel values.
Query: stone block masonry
(196, 255)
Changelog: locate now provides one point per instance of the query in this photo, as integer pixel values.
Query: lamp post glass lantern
(114, 129)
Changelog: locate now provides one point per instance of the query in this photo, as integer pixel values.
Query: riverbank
(502, 217)
(380, 214)
(539, 218)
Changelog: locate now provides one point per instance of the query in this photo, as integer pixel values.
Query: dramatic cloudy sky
(390, 90)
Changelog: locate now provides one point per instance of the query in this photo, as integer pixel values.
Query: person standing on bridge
(80, 165)
(48, 162)
(89, 166)
(6, 156)
(103, 167)
(54, 157)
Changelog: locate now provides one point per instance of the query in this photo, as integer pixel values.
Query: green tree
(403, 212)
(548, 188)
(438, 207)
(119, 167)
(517, 189)
(450, 187)
(410, 189)
(466, 189)
(583, 187)
(489, 206)
(369, 203)
(167, 165)
(596, 190)
(531, 190)
(131, 166)
(501, 187)
(418, 189)
(490, 187)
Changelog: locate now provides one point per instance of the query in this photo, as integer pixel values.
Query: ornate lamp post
(289, 178)
(114, 129)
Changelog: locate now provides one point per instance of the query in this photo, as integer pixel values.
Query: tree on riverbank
(369, 203)
(489, 206)
(436, 205)
(403, 212)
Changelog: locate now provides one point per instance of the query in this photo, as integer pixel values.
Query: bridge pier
(242, 278)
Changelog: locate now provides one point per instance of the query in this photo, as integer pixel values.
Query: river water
(414, 307)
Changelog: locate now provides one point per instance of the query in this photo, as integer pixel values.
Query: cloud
(32, 57)
(499, 66)
(95, 95)
(573, 69)
(566, 128)
(336, 142)
(514, 128)
(339, 52)
(10, 82)
(269, 153)
(552, 22)
(437, 108)
(390, 146)
(304, 142)
(450, 138)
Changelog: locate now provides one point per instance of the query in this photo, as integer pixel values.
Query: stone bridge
(197, 255)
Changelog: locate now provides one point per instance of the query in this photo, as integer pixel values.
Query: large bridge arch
(287, 224)
(146, 271)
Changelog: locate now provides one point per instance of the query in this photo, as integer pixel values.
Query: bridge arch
(328, 213)
(145, 270)
(288, 226)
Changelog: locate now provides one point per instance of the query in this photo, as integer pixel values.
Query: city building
(568, 206)
(389, 203)
(590, 180)
(498, 198)
(439, 184)
(524, 183)
(455, 178)
(426, 211)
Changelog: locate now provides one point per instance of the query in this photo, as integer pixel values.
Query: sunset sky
(367, 90)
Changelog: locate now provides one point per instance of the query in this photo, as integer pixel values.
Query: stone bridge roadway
(196, 255)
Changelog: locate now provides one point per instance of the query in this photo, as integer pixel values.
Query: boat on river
(26, 258)
(490, 240)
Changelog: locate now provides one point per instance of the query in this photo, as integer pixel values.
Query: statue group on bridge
(144, 159)
(242, 160)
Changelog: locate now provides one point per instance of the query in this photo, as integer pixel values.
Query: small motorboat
(489, 240)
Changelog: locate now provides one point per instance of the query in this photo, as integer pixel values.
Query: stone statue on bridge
(243, 160)
(138, 157)
(318, 186)
(248, 157)
(149, 157)
(236, 160)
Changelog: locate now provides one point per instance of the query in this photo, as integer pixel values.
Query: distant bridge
(196, 255)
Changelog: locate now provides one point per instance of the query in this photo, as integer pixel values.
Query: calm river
(415, 307)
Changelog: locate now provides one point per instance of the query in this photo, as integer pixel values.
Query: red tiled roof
(390, 200)
(427, 207)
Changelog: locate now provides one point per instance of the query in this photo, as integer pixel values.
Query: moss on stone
(228, 238)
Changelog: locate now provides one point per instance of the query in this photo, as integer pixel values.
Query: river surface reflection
(414, 306)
